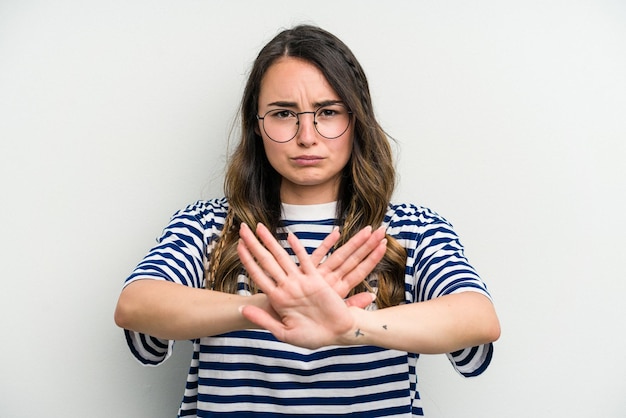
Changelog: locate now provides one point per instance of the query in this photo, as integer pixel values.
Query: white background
(509, 119)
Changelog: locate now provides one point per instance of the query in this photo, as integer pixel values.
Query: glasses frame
(313, 112)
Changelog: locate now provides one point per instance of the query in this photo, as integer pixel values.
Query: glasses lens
(332, 121)
(280, 125)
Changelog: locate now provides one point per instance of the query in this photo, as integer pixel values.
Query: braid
(213, 265)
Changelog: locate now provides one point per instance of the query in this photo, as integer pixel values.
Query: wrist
(360, 332)
(258, 300)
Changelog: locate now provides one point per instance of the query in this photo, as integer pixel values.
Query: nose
(307, 134)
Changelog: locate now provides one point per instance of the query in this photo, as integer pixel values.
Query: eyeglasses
(282, 125)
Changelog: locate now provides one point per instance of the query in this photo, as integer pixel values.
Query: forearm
(441, 325)
(175, 312)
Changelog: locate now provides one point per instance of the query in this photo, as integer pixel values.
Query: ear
(257, 127)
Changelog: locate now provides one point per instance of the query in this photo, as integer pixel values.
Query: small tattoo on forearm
(384, 326)
(358, 333)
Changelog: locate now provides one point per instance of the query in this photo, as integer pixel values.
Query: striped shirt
(251, 373)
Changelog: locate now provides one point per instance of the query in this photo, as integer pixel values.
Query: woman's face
(310, 164)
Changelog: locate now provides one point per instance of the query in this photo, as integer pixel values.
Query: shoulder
(408, 214)
(413, 225)
(205, 210)
(203, 217)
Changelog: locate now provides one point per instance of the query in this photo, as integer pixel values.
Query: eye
(331, 112)
(281, 114)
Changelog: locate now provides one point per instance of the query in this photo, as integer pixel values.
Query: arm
(173, 311)
(441, 325)
(165, 297)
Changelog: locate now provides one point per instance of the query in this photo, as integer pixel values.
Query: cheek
(271, 151)
(345, 148)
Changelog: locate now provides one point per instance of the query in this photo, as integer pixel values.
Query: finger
(255, 272)
(279, 254)
(306, 263)
(361, 300)
(365, 267)
(325, 247)
(339, 256)
(263, 257)
(346, 258)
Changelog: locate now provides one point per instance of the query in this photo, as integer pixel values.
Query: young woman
(305, 291)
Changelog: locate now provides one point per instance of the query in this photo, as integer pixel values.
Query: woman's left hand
(308, 299)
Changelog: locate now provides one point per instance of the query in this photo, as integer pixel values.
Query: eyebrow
(292, 105)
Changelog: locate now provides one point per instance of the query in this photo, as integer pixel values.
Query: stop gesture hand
(308, 303)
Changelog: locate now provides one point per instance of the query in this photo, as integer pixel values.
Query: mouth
(307, 160)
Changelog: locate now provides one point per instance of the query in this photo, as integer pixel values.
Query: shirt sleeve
(441, 268)
(177, 257)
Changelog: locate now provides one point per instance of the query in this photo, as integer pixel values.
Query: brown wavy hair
(252, 186)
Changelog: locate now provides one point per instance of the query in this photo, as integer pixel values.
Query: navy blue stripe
(148, 347)
(372, 413)
(304, 401)
(290, 355)
(444, 282)
(291, 222)
(159, 343)
(154, 266)
(136, 353)
(274, 369)
(192, 413)
(468, 358)
(176, 249)
(322, 384)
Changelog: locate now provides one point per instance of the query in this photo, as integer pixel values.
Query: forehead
(294, 80)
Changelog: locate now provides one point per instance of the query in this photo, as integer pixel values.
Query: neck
(307, 196)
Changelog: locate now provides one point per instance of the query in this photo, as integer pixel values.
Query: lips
(307, 160)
